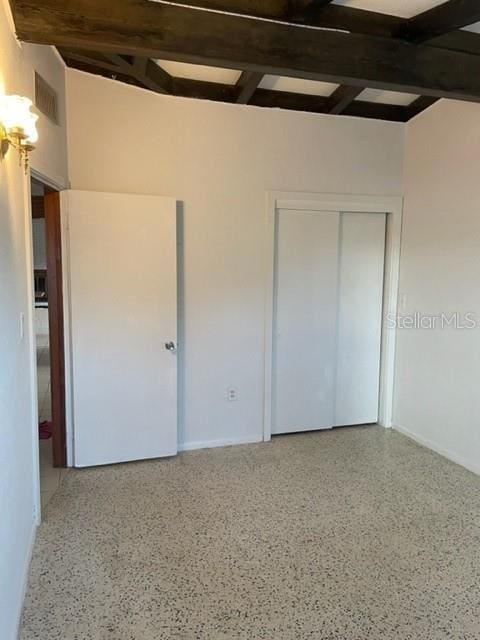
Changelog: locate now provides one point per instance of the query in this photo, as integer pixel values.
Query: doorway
(49, 336)
(332, 282)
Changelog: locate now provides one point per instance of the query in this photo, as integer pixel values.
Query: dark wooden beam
(204, 90)
(319, 104)
(377, 111)
(144, 71)
(261, 97)
(303, 9)
(275, 9)
(419, 105)
(139, 65)
(458, 41)
(90, 66)
(155, 78)
(288, 100)
(332, 16)
(247, 84)
(88, 59)
(441, 19)
(149, 29)
(341, 98)
(372, 23)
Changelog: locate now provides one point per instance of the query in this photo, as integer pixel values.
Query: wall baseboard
(16, 619)
(425, 442)
(224, 442)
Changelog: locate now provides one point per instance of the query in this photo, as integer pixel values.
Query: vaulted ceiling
(341, 57)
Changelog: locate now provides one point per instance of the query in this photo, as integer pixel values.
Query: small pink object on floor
(45, 430)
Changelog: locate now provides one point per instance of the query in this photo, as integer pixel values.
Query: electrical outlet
(232, 394)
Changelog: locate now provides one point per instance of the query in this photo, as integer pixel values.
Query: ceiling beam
(275, 9)
(441, 19)
(246, 85)
(305, 8)
(372, 23)
(342, 101)
(144, 72)
(139, 65)
(419, 105)
(150, 29)
(89, 65)
(332, 16)
(82, 58)
(319, 104)
(155, 78)
(187, 88)
(341, 98)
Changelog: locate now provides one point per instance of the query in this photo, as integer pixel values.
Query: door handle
(170, 346)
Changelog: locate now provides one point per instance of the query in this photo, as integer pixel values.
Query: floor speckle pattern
(350, 534)
(50, 476)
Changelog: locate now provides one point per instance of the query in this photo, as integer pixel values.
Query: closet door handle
(170, 346)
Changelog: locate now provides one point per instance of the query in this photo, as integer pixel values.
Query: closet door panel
(360, 286)
(304, 320)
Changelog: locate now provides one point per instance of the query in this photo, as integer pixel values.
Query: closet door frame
(392, 206)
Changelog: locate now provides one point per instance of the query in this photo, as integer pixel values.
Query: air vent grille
(46, 98)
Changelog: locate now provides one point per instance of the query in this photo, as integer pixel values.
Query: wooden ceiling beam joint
(441, 19)
(165, 31)
(247, 85)
(342, 97)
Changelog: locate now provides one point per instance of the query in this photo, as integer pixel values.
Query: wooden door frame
(393, 207)
(48, 206)
(53, 236)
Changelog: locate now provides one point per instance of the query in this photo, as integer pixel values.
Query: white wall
(437, 373)
(219, 160)
(19, 440)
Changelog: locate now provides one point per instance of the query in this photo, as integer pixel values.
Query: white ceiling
(387, 97)
(297, 85)
(402, 8)
(199, 72)
(475, 28)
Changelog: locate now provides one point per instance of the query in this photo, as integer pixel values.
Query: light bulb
(15, 114)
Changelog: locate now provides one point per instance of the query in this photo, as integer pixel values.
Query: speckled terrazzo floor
(350, 534)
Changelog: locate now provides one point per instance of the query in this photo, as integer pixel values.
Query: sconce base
(4, 145)
(4, 142)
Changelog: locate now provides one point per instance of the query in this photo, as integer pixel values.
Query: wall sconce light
(17, 127)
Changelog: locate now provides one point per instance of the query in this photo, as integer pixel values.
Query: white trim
(429, 444)
(392, 206)
(47, 177)
(25, 574)
(56, 183)
(67, 338)
(30, 335)
(223, 442)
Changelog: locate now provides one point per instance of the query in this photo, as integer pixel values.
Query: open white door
(123, 325)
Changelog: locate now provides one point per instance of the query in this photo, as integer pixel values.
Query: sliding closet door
(305, 318)
(360, 287)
